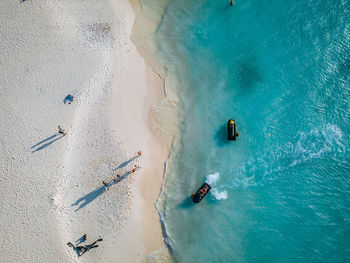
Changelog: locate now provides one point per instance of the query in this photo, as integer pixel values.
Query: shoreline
(162, 121)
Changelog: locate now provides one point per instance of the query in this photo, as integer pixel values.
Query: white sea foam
(316, 143)
(322, 142)
(211, 180)
(219, 195)
(159, 210)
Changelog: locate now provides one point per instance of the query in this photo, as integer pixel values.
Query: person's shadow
(80, 240)
(122, 165)
(76, 251)
(46, 142)
(87, 199)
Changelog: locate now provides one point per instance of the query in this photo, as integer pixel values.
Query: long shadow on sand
(79, 240)
(48, 141)
(87, 199)
(45, 140)
(126, 163)
(76, 251)
(123, 176)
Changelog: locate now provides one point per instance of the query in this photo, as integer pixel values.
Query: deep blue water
(280, 69)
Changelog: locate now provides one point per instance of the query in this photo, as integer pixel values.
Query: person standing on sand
(115, 180)
(106, 185)
(70, 244)
(134, 170)
(61, 131)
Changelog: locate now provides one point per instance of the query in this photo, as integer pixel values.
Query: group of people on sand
(82, 249)
(119, 177)
(114, 181)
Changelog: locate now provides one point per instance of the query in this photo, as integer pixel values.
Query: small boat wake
(211, 180)
(321, 143)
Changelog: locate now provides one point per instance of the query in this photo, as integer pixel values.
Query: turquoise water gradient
(281, 70)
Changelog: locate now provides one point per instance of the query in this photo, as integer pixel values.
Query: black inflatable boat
(199, 195)
(231, 130)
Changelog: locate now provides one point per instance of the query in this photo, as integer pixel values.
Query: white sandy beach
(51, 189)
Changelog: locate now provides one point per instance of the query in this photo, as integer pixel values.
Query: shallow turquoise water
(281, 70)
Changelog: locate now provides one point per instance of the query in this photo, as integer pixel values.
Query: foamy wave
(316, 143)
(219, 195)
(159, 210)
(211, 180)
(321, 142)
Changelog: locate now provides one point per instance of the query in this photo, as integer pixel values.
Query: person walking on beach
(115, 180)
(61, 131)
(70, 244)
(106, 185)
(134, 170)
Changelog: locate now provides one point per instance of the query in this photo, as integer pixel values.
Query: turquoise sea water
(280, 69)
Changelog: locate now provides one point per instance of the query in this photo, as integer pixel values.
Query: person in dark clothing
(61, 131)
(70, 244)
(81, 250)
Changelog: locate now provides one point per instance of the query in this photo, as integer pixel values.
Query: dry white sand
(51, 189)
